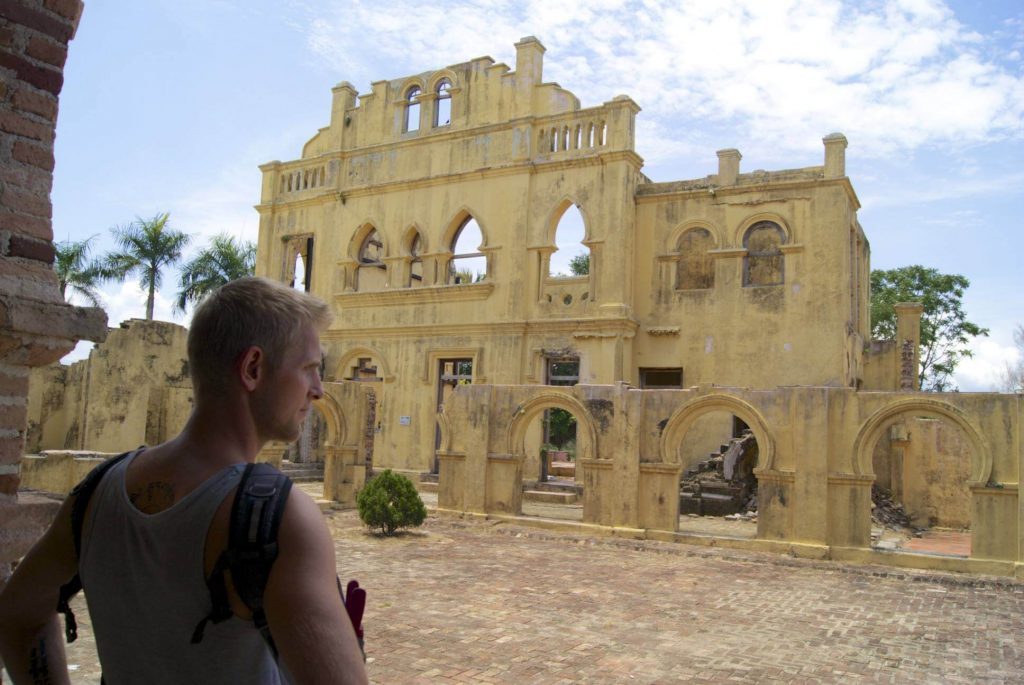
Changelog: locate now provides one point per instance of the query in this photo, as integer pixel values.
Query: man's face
(284, 400)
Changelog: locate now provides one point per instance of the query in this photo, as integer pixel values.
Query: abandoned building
(726, 314)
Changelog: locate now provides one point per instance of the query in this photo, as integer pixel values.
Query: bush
(390, 501)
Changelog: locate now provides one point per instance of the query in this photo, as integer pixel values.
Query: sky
(171, 105)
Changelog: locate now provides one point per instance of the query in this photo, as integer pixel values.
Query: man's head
(245, 313)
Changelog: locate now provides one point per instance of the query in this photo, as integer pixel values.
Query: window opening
(365, 371)
(451, 373)
(764, 263)
(571, 256)
(412, 110)
(443, 104)
(416, 263)
(695, 269)
(372, 270)
(468, 264)
(652, 379)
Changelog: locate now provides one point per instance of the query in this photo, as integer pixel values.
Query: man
(158, 521)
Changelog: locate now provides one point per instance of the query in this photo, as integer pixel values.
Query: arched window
(372, 272)
(416, 261)
(412, 110)
(571, 257)
(443, 103)
(468, 264)
(764, 263)
(695, 269)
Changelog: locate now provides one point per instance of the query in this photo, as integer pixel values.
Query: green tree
(390, 502)
(1013, 376)
(945, 331)
(580, 264)
(147, 247)
(223, 260)
(76, 272)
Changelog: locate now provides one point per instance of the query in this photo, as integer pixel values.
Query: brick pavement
(481, 602)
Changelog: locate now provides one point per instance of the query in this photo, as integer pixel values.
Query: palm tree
(76, 271)
(147, 247)
(225, 259)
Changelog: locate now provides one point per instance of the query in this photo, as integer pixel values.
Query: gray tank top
(146, 591)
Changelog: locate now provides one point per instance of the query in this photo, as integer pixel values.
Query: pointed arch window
(468, 264)
(372, 272)
(764, 263)
(571, 256)
(443, 103)
(695, 269)
(412, 110)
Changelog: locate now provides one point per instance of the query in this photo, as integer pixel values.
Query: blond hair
(243, 313)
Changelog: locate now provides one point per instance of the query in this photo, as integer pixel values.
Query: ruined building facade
(737, 279)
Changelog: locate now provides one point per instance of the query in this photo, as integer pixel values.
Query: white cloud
(983, 372)
(891, 75)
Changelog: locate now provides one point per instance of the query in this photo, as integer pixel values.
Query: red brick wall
(36, 326)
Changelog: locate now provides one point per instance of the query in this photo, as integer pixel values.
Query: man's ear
(252, 368)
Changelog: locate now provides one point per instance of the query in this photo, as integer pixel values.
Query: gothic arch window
(571, 256)
(371, 271)
(443, 103)
(764, 263)
(695, 269)
(412, 110)
(467, 264)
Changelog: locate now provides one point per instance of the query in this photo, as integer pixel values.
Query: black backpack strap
(82, 493)
(252, 546)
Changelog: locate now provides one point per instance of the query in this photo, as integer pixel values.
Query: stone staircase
(552, 492)
(427, 482)
(303, 472)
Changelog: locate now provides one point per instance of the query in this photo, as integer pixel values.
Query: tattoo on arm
(38, 666)
(153, 497)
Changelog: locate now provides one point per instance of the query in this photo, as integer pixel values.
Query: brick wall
(36, 326)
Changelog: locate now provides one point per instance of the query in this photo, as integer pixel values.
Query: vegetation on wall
(945, 330)
(390, 502)
(580, 264)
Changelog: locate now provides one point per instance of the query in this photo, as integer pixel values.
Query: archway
(553, 437)
(924, 456)
(721, 444)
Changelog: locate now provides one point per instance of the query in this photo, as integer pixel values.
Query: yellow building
(429, 211)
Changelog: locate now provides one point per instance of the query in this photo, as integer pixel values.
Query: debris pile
(724, 484)
(887, 512)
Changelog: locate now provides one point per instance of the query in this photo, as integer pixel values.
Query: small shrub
(390, 502)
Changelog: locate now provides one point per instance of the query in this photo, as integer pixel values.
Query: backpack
(251, 551)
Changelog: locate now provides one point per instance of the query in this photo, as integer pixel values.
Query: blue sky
(172, 105)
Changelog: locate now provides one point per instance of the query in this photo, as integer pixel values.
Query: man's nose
(317, 391)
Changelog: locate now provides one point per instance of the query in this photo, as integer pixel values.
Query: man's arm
(31, 642)
(307, 618)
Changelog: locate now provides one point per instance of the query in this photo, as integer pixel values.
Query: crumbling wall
(133, 389)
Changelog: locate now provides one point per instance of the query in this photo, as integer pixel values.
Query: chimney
(728, 166)
(835, 155)
(529, 60)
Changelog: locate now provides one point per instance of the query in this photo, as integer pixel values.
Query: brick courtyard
(478, 602)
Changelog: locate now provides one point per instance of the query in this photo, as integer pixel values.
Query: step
(708, 505)
(428, 477)
(554, 486)
(562, 469)
(427, 486)
(550, 496)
